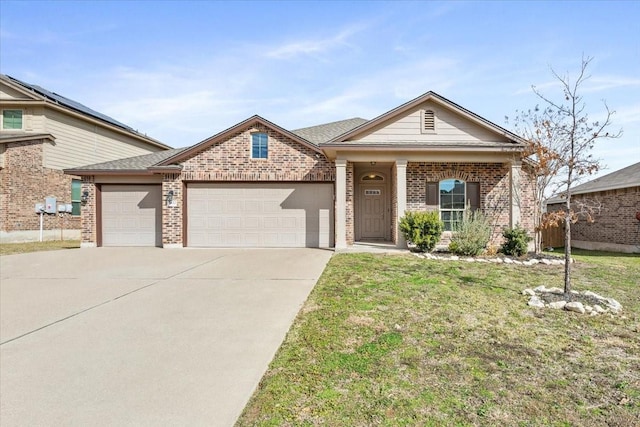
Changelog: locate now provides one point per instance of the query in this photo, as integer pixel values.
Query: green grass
(50, 245)
(397, 340)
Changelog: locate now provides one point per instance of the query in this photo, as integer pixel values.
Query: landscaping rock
(598, 309)
(529, 292)
(614, 305)
(557, 305)
(534, 301)
(545, 261)
(507, 261)
(575, 306)
(541, 288)
(556, 291)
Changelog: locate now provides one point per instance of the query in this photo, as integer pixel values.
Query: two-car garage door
(260, 215)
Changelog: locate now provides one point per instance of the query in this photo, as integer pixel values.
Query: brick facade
(615, 222)
(230, 160)
(495, 190)
(25, 182)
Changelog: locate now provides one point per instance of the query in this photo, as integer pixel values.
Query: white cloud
(315, 46)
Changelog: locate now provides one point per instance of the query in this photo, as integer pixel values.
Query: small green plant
(423, 229)
(516, 241)
(471, 235)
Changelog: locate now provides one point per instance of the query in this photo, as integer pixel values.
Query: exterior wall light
(84, 197)
(170, 198)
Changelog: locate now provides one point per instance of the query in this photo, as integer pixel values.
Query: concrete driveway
(144, 336)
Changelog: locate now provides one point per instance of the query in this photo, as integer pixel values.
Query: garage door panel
(260, 215)
(131, 215)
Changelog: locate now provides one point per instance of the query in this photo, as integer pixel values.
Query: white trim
(401, 199)
(341, 205)
(515, 195)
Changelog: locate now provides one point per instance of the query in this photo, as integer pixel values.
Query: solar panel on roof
(70, 103)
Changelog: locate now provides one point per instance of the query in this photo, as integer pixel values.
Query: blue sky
(183, 71)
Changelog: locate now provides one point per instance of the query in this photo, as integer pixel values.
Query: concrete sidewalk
(144, 336)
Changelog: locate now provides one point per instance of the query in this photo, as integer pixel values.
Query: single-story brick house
(42, 133)
(615, 225)
(257, 184)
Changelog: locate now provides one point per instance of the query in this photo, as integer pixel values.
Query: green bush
(516, 241)
(471, 235)
(423, 229)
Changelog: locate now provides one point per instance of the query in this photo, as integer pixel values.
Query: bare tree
(561, 138)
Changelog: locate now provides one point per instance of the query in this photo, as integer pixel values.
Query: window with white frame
(76, 190)
(259, 145)
(452, 202)
(12, 119)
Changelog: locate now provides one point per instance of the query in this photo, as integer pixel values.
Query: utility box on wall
(50, 205)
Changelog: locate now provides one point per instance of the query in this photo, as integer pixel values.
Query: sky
(183, 71)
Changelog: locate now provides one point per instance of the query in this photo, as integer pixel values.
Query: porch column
(341, 204)
(516, 167)
(401, 199)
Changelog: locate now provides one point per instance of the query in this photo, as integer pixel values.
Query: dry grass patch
(49, 245)
(396, 340)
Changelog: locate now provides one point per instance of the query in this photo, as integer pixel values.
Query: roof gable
(225, 134)
(436, 102)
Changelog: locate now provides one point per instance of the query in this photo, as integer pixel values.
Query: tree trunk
(567, 257)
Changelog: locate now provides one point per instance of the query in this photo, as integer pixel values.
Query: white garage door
(131, 215)
(260, 215)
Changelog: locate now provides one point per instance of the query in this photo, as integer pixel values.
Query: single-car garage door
(131, 215)
(260, 215)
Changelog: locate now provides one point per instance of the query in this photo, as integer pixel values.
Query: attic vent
(428, 121)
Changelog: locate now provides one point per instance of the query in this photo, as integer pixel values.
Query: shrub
(423, 229)
(516, 241)
(471, 235)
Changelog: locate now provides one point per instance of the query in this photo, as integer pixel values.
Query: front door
(373, 209)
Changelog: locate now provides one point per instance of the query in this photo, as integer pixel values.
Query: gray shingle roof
(326, 132)
(138, 163)
(622, 178)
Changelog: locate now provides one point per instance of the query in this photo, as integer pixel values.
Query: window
(11, 119)
(259, 145)
(76, 190)
(452, 202)
(428, 121)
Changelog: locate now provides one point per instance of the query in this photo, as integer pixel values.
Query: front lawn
(398, 340)
(49, 245)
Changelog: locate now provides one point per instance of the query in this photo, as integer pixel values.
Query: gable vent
(428, 121)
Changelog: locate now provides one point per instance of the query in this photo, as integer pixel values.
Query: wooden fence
(553, 237)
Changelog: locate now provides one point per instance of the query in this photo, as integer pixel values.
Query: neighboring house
(259, 185)
(42, 133)
(616, 198)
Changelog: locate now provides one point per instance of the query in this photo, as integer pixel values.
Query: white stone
(546, 261)
(588, 308)
(498, 260)
(529, 292)
(534, 301)
(454, 258)
(598, 308)
(614, 305)
(558, 262)
(593, 313)
(469, 259)
(528, 263)
(575, 306)
(534, 261)
(508, 261)
(556, 291)
(541, 288)
(482, 260)
(592, 294)
(515, 261)
(557, 305)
